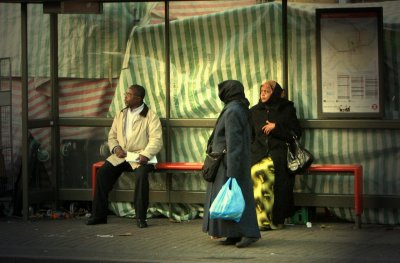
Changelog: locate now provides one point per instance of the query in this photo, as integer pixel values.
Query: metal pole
(168, 105)
(24, 110)
(285, 47)
(55, 128)
(167, 82)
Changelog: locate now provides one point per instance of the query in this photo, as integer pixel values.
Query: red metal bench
(165, 167)
(354, 169)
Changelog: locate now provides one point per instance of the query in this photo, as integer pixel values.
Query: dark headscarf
(233, 90)
(230, 90)
(276, 93)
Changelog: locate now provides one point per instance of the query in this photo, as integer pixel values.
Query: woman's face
(265, 92)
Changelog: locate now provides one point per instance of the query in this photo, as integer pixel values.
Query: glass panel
(91, 48)
(7, 178)
(144, 61)
(217, 41)
(10, 100)
(39, 86)
(39, 159)
(189, 145)
(80, 147)
(100, 56)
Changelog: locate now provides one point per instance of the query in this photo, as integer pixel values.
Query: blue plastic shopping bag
(229, 203)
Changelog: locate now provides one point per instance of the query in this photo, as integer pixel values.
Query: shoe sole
(247, 243)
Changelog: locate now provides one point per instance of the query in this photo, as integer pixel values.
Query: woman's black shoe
(246, 241)
(96, 221)
(230, 241)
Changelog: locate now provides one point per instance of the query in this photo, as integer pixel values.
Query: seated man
(135, 129)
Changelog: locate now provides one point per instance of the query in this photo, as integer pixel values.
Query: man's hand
(142, 159)
(119, 152)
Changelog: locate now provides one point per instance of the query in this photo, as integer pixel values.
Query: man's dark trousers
(106, 177)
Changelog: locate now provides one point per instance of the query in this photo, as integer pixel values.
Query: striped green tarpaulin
(205, 50)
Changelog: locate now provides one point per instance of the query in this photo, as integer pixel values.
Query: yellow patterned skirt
(262, 175)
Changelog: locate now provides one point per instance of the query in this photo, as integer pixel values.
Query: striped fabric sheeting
(89, 46)
(184, 139)
(88, 98)
(392, 68)
(376, 150)
(38, 107)
(180, 212)
(180, 10)
(357, 146)
(302, 61)
(78, 98)
(10, 28)
(204, 51)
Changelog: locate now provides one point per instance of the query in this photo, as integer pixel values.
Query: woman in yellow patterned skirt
(274, 120)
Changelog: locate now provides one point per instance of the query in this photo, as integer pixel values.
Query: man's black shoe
(141, 223)
(96, 221)
(230, 241)
(246, 241)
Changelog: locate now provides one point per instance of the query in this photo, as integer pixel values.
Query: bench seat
(186, 167)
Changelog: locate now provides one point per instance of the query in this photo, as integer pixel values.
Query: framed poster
(349, 62)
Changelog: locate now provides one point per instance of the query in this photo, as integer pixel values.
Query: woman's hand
(267, 128)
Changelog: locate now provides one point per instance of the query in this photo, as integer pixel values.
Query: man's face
(131, 99)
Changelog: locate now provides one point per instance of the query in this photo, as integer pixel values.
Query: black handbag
(298, 158)
(211, 164)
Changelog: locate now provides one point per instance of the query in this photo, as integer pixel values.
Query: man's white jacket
(146, 138)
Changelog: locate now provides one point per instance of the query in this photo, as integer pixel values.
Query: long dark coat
(283, 113)
(233, 131)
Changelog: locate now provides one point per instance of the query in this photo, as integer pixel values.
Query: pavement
(70, 240)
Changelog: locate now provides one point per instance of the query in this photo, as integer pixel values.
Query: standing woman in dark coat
(233, 133)
(274, 122)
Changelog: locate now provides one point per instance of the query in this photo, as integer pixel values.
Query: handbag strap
(294, 136)
(210, 140)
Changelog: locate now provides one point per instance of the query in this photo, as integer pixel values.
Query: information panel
(349, 44)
